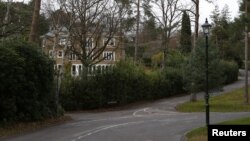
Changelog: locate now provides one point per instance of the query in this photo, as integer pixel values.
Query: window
(89, 42)
(102, 68)
(76, 69)
(110, 43)
(73, 70)
(59, 54)
(58, 67)
(51, 53)
(72, 56)
(62, 41)
(108, 55)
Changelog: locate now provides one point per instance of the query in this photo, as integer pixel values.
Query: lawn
(200, 134)
(228, 102)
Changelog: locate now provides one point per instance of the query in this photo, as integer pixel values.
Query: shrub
(229, 70)
(126, 83)
(30, 82)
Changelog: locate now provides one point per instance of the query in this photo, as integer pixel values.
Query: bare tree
(58, 20)
(169, 21)
(196, 13)
(137, 29)
(90, 22)
(196, 21)
(8, 23)
(6, 18)
(35, 19)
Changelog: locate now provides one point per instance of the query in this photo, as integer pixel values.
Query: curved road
(156, 121)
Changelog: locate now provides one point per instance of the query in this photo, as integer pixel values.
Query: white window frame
(58, 53)
(62, 41)
(108, 57)
(51, 53)
(101, 67)
(58, 66)
(72, 56)
(78, 69)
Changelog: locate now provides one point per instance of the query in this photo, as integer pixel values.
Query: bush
(28, 83)
(229, 70)
(126, 83)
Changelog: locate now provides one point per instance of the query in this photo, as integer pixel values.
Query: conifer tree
(185, 40)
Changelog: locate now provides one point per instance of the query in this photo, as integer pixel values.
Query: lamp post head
(206, 27)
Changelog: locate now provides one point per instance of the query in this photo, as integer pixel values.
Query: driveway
(157, 121)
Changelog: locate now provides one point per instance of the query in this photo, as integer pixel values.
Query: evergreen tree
(185, 41)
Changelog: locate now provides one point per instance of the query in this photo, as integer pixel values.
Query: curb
(184, 137)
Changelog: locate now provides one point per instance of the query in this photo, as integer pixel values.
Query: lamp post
(206, 27)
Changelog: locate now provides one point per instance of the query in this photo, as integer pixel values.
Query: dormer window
(111, 42)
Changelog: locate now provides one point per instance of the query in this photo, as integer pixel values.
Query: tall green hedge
(126, 83)
(26, 78)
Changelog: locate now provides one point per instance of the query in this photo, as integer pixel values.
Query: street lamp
(206, 28)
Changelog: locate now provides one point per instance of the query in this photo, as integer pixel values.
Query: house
(103, 52)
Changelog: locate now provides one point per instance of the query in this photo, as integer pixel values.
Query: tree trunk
(6, 18)
(197, 15)
(137, 29)
(35, 18)
(193, 97)
(246, 55)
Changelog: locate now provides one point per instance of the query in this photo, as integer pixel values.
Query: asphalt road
(157, 121)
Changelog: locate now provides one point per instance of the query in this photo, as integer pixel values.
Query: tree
(194, 71)
(137, 29)
(19, 21)
(196, 13)
(220, 30)
(185, 40)
(168, 22)
(89, 23)
(196, 22)
(246, 53)
(149, 31)
(244, 7)
(33, 37)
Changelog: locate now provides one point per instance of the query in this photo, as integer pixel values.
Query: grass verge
(24, 127)
(200, 134)
(228, 102)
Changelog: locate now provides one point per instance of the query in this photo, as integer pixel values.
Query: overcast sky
(206, 8)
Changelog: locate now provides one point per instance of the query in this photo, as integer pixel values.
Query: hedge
(26, 78)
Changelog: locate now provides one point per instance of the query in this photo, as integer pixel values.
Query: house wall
(113, 53)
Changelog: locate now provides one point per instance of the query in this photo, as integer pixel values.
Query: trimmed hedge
(126, 83)
(26, 78)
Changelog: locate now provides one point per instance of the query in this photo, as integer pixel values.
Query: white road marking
(102, 128)
(141, 110)
(97, 120)
(153, 112)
